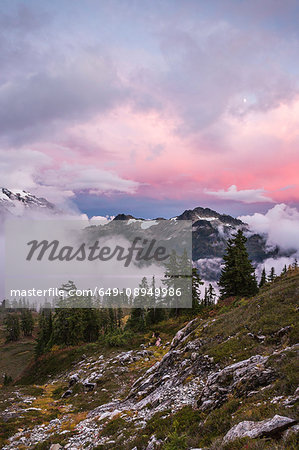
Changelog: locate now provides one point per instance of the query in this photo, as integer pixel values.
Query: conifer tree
(154, 314)
(211, 295)
(263, 279)
(44, 331)
(136, 320)
(68, 321)
(272, 275)
(196, 283)
(237, 276)
(27, 322)
(90, 324)
(12, 324)
(171, 280)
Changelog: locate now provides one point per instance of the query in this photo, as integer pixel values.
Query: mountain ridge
(17, 201)
(210, 230)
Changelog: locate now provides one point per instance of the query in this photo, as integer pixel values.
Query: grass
(226, 338)
(14, 356)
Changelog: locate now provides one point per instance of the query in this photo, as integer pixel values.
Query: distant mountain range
(210, 230)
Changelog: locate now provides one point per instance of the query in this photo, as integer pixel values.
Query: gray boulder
(67, 393)
(264, 428)
(73, 379)
(89, 386)
(183, 333)
(240, 378)
(290, 431)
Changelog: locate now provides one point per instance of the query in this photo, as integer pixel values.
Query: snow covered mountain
(17, 202)
(210, 232)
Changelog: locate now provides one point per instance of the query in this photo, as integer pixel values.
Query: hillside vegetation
(236, 362)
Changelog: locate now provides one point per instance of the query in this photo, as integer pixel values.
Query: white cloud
(86, 178)
(280, 224)
(33, 171)
(277, 263)
(243, 195)
(97, 220)
(18, 167)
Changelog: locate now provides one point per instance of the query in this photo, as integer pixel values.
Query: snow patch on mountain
(17, 202)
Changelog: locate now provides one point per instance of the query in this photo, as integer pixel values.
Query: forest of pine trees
(65, 326)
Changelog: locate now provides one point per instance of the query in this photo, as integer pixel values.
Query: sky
(151, 107)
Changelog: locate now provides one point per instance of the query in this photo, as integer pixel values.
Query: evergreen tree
(178, 276)
(154, 314)
(196, 283)
(90, 324)
(263, 279)
(68, 320)
(284, 270)
(12, 324)
(272, 275)
(44, 331)
(209, 297)
(27, 322)
(237, 276)
(136, 320)
(171, 281)
(103, 318)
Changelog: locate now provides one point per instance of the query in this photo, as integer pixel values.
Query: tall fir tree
(154, 314)
(284, 270)
(237, 276)
(272, 275)
(12, 324)
(44, 331)
(136, 320)
(263, 279)
(27, 322)
(210, 295)
(196, 283)
(68, 321)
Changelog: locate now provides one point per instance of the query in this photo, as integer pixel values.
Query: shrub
(118, 338)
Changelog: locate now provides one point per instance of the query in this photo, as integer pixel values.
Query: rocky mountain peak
(209, 215)
(17, 201)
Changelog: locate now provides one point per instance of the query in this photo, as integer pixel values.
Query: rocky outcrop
(185, 376)
(184, 333)
(67, 393)
(240, 378)
(73, 379)
(89, 386)
(265, 428)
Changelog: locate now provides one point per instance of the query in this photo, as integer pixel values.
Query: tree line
(118, 319)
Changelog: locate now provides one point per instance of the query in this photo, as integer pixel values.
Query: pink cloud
(258, 154)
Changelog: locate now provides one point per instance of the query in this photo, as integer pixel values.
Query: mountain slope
(232, 369)
(17, 202)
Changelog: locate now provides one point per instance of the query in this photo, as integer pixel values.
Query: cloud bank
(245, 195)
(280, 224)
(153, 101)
